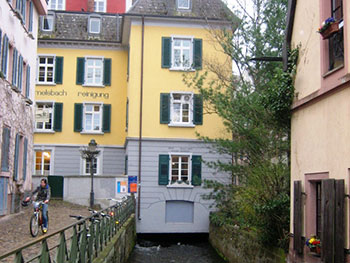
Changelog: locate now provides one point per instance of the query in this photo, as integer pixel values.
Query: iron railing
(86, 238)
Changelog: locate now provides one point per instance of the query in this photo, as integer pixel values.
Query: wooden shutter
(78, 117)
(339, 227)
(106, 124)
(297, 218)
(14, 67)
(0, 48)
(15, 165)
(196, 170)
(197, 53)
(59, 70)
(23, 11)
(5, 49)
(58, 114)
(30, 25)
(25, 153)
(166, 52)
(164, 108)
(163, 170)
(80, 71)
(20, 72)
(198, 109)
(28, 82)
(5, 149)
(107, 71)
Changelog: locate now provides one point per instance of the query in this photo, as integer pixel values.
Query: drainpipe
(140, 132)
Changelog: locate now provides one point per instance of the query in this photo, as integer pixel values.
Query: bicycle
(36, 220)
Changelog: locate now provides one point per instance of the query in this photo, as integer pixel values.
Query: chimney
(90, 5)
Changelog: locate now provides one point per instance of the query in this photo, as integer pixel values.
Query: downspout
(140, 131)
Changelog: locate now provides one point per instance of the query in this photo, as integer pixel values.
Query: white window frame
(46, 56)
(44, 149)
(96, 4)
(183, 184)
(173, 67)
(97, 167)
(84, 118)
(188, 7)
(56, 6)
(52, 117)
(92, 19)
(86, 72)
(172, 101)
(43, 20)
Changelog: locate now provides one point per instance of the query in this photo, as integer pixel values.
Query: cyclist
(43, 194)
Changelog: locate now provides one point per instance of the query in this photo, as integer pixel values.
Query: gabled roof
(203, 9)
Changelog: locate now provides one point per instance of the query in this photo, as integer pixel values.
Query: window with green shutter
(166, 52)
(196, 170)
(5, 149)
(58, 116)
(164, 108)
(80, 71)
(15, 165)
(59, 70)
(163, 170)
(78, 117)
(25, 153)
(107, 70)
(106, 125)
(4, 55)
(198, 109)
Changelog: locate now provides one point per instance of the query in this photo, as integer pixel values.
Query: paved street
(14, 229)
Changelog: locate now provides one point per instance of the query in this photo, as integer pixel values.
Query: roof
(208, 9)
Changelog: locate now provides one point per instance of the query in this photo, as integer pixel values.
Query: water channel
(174, 249)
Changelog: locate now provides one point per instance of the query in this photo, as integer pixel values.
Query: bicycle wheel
(34, 226)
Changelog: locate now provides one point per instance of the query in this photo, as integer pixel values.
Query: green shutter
(23, 11)
(25, 153)
(5, 49)
(198, 109)
(5, 149)
(78, 117)
(163, 173)
(30, 26)
(58, 114)
(164, 108)
(28, 82)
(20, 72)
(107, 71)
(106, 125)
(197, 53)
(80, 71)
(59, 70)
(196, 170)
(166, 52)
(14, 67)
(0, 48)
(15, 166)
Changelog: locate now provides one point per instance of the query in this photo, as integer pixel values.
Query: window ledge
(43, 131)
(179, 125)
(183, 69)
(93, 86)
(332, 71)
(91, 132)
(45, 84)
(185, 186)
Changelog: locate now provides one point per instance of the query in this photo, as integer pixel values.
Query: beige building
(320, 135)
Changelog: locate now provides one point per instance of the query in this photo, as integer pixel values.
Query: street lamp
(89, 154)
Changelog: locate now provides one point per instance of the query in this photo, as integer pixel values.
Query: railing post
(19, 257)
(82, 246)
(74, 247)
(97, 239)
(91, 242)
(62, 254)
(45, 253)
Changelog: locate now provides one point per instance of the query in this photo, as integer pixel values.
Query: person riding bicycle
(43, 195)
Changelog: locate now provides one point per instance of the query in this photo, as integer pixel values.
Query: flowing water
(173, 250)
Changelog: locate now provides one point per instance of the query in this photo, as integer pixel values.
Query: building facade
(320, 131)
(119, 80)
(101, 6)
(18, 46)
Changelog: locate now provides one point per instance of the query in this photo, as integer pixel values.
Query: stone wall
(122, 244)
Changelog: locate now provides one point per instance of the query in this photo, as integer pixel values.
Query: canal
(174, 249)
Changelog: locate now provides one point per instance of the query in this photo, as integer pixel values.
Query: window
(42, 162)
(47, 23)
(183, 4)
(87, 170)
(181, 108)
(94, 71)
(100, 5)
(44, 116)
(5, 149)
(180, 169)
(94, 25)
(182, 53)
(92, 118)
(56, 4)
(46, 70)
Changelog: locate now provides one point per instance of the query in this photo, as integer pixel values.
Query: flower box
(330, 30)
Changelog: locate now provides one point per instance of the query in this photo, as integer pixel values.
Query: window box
(330, 30)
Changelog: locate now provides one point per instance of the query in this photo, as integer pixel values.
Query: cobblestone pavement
(14, 229)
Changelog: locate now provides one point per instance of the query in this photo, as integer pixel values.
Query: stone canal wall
(121, 245)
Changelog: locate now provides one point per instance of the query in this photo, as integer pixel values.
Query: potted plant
(314, 244)
(328, 28)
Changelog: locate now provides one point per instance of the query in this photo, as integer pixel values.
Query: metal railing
(85, 239)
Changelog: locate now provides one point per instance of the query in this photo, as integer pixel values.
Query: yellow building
(119, 80)
(320, 130)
